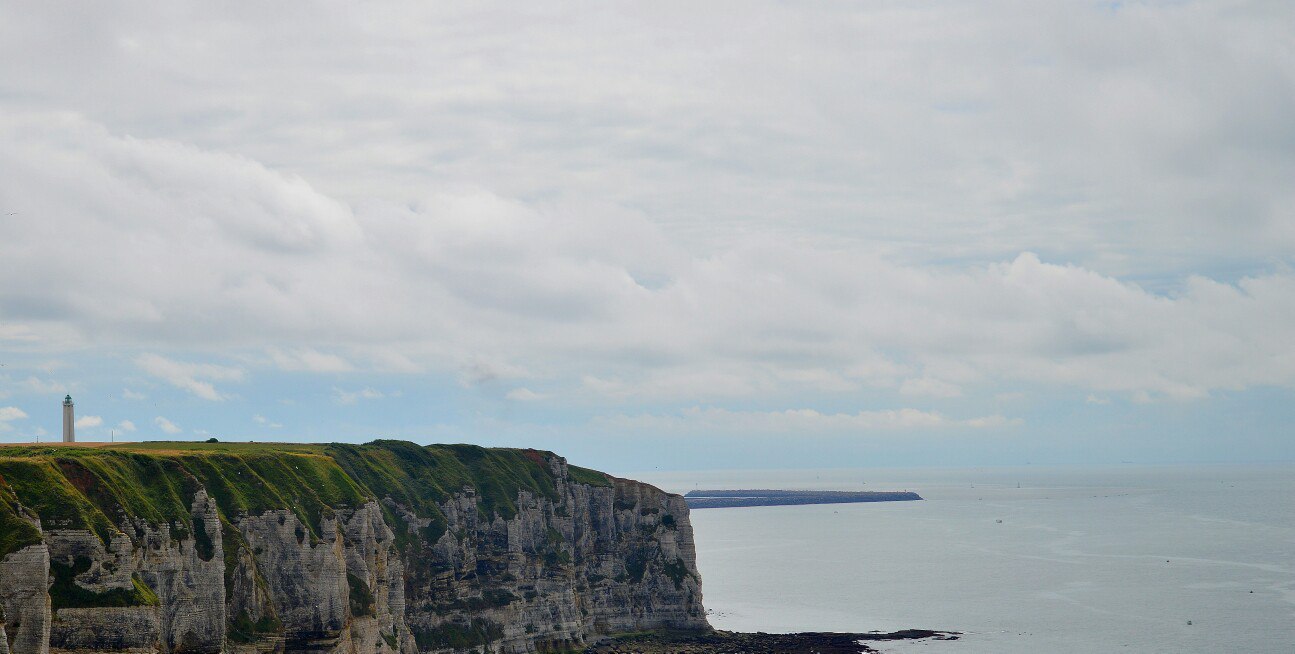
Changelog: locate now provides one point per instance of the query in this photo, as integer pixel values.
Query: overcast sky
(676, 235)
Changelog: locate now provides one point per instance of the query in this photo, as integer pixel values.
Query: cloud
(478, 372)
(127, 394)
(262, 420)
(1097, 399)
(351, 397)
(524, 395)
(191, 377)
(1031, 199)
(126, 425)
(166, 425)
(709, 420)
(89, 421)
(1011, 116)
(930, 387)
(10, 413)
(308, 360)
(516, 288)
(32, 385)
(474, 284)
(36, 385)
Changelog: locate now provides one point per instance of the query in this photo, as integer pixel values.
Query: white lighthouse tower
(69, 421)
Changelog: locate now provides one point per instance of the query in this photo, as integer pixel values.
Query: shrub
(65, 593)
(361, 597)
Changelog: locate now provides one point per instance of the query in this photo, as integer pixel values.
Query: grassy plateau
(97, 488)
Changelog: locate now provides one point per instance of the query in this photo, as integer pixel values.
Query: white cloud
(706, 420)
(524, 395)
(350, 397)
(1097, 399)
(780, 240)
(192, 377)
(990, 422)
(89, 421)
(262, 420)
(308, 360)
(166, 425)
(478, 372)
(127, 394)
(36, 385)
(490, 288)
(126, 425)
(989, 125)
(10, 413)
(681, 382)
(518, 290)
(930, 387)
(19, 334)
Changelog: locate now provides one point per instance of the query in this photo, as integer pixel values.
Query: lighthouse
(69, 421)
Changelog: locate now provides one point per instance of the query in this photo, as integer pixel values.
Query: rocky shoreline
(730, 642)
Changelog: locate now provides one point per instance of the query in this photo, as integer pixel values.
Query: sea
(1022, 560)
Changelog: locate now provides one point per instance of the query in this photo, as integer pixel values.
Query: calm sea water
(1084, 560)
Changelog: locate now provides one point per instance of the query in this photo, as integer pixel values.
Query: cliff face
(384, 548)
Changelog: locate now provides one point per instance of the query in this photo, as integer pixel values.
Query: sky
(656, 235)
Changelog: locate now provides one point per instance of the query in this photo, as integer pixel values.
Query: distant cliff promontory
(718, 499)
(385, 548)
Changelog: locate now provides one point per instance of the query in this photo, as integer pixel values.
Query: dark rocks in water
(728, 642)
(910, 634)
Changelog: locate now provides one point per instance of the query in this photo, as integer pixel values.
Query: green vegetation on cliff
(457, 636)
(65, 592)
(590, 477)
(15, 532)
(99, 488)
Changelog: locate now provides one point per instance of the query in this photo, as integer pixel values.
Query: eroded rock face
(24, 599)
(598, 560)
(161, 591)
(372, 579)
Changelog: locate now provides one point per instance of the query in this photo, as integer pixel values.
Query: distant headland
(384, 548)
(718, 499)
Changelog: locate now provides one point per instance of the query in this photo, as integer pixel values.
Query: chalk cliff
(331, 549)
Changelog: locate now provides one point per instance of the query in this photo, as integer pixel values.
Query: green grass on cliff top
(96, 487)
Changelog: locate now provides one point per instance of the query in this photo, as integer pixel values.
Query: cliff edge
(384, 548)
